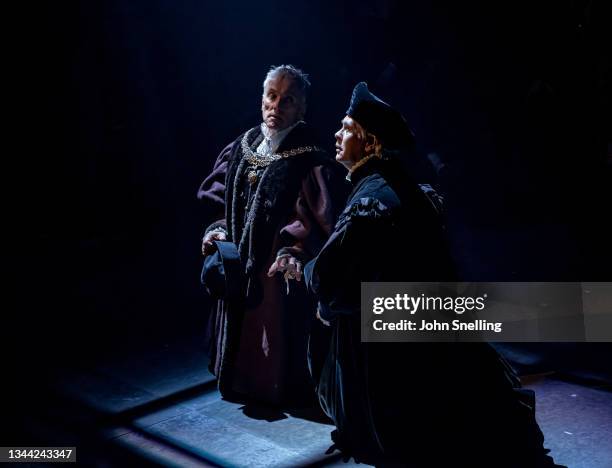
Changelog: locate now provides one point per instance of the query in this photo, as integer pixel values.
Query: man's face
(350, 144)
(282, 103)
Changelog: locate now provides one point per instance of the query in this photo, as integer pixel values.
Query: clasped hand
(287, 264)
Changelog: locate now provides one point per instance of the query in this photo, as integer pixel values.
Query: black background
(122, 106)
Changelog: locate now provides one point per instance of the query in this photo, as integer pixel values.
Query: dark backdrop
(122, 107)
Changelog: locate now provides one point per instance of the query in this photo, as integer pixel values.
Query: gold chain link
(256, 159)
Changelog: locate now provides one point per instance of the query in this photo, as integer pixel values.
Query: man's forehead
(282, 83)
(347, 121)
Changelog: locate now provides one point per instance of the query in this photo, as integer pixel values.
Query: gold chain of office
(257, 160)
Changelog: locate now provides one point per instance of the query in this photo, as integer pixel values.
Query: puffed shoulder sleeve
(348, 258)
(364, 209)
(212, 190)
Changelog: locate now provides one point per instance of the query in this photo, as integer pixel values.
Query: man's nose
(275, 103)
(337, 136)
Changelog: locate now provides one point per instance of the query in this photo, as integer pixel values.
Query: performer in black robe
(406, 404)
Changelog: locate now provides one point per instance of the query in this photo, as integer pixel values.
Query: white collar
(276, 138)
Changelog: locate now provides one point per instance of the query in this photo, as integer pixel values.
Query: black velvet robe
(410, 404)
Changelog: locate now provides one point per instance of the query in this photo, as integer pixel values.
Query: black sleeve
(352, 259)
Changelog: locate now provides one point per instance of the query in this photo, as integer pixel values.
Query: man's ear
(371, 142)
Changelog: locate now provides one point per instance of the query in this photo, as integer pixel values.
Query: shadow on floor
(160, 407)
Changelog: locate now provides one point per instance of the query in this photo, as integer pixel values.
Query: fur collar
(274, 198)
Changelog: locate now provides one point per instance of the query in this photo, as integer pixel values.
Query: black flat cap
(222, 272)
(380, 119)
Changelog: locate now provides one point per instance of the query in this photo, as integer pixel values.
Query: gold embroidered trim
(256, 159)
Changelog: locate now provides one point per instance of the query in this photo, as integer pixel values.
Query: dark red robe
(259, 342)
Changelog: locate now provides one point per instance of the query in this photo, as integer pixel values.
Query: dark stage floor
(161, 407)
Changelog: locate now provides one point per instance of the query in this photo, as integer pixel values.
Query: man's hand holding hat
(207, 242)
